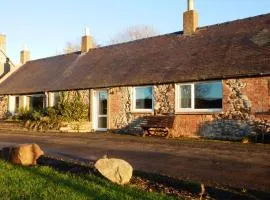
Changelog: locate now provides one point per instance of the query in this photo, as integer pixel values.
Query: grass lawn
(18, 182)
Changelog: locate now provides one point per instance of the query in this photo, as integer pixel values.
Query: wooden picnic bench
(157, 126)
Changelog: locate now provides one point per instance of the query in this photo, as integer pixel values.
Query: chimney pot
(190, 4)
(87, 31)
(25, 55)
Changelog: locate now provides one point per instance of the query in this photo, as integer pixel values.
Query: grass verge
(18, 182)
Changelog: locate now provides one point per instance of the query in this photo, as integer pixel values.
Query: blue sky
(46, 26)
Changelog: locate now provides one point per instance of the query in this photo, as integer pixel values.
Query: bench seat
(157, 125)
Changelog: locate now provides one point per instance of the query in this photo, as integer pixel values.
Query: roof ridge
(138, 40)
(181, 32)
(151, 61)
(234, 21)
(49, 57)
(157, 36)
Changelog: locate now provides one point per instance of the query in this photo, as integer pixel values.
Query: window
(17, 104)
(36, 102)
(56, 98)
(201, 97)
(143, 99)
(185, 97)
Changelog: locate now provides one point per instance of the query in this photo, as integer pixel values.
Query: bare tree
(133, 33)
(75, 46)
(71, 47)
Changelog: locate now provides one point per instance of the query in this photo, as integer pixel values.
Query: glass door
(101, 116)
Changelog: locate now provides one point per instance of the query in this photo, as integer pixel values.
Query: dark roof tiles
(235, 49)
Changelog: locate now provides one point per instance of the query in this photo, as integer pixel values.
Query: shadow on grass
(101, 190)
(86, 171)
(155, 180)
(97, 189)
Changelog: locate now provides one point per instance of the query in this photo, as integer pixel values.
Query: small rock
(24, 154)
(116, 170)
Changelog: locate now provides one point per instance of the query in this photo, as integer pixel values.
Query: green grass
(20, 183)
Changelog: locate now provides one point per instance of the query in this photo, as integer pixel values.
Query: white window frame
(15, 108)
(37, 95)
(11, 104)
(51, 99)
(94, 109)
(134, 109)
(178, 109)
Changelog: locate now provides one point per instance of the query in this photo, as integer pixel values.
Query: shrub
(24, 114)
(71, 108)
(68, 109)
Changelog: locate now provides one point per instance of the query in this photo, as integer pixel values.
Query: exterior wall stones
(3, 106)
(263, 116)
(258, 92)
(254, 91)
(188, 125)
(236, 103)
(246, 108)
(164, 97)
(242, 99)
(120, 107)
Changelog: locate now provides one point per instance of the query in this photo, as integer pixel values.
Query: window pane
(102, 103)
(36, 102)
(17, 103)
(208, 95)
(185, 96)
(102, 122)
(56, 98)
(144, 97)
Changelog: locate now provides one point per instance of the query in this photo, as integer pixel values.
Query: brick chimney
(25, 55)
(2, 42)
(190, 19)
(87, 41)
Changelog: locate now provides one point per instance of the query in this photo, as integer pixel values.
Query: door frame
(95, 115)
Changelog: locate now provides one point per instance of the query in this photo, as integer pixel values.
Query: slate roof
(234, 49)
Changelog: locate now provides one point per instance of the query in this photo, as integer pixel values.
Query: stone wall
(121, 115)
(188, 125)
(3, 106)
(164, 99)
(242, 99)
(258, 92)
(120, 107)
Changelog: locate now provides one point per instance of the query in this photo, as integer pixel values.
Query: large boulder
(24, 154)
(116, 170)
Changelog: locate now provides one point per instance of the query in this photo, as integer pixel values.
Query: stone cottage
(214, 80)
(6, 67)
